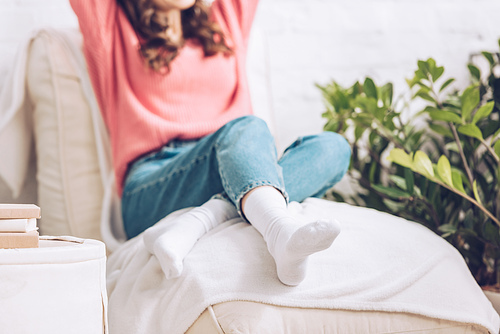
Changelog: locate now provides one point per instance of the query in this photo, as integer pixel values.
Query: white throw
(379, 262)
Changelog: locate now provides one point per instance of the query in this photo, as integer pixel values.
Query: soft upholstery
(69, 185)
(248, 317)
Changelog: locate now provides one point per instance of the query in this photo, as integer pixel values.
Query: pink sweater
(144, 110)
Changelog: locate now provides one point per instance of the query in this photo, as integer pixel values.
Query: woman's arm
(97, 19)
(245, 9)
(238, 12)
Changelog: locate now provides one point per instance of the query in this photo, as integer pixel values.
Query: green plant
(431, 155)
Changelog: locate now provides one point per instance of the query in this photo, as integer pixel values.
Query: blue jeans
(238, 157)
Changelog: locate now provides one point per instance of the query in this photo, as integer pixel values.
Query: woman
(169, 76)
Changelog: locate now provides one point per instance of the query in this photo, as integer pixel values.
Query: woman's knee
(249, 121)
(334, 148)
(247, 129)
(332, 140)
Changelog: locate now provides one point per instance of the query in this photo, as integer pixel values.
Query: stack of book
(18, 225)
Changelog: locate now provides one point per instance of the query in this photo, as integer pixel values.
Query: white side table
(57, 288)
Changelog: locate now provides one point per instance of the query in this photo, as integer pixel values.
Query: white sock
(289, 241)
(172, 241)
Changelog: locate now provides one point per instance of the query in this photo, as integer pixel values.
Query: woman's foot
(292, 249)
(289, 241)
(171, 241)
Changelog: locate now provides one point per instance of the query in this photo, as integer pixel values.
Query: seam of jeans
(296, 143)
(168, 176)
(221, 172)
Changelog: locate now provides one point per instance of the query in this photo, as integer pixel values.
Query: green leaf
(470, 99)
(447, 228)
(432, 192)
(373, 138)
(496, 133)
(496, 148)
(358, 132)
(471, 130)
(446, 84)
(399, 181)
(457, 181)
(370, 89)
(410, 181)
(355, 89)
(474, 71)
(444, 131)
(393, 206)
(490, 232)
(476, 193)
(423, 165)
(490, 128)
(423, 66)
(391, 192)
(489, 57)
(422, 93)
(483, 112)
(386, 93)
(452, 146)
(333, 126)
(373, 172)
(367, 104)
(364, 118)
(444, 170)
(339, 101)
(400, 157)
(469, 219)
(411, 82)
(436, 73)
(443, 115)
(380, 113)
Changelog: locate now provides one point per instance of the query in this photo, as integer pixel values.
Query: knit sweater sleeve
(97, 20)
(238, 14)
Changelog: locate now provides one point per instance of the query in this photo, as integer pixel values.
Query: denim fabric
(235, 159)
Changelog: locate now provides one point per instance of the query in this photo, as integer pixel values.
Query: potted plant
(431, 155)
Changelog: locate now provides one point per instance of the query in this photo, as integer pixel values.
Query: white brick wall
(317, 40)
(19, 17)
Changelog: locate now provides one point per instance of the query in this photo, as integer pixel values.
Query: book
(19, 211)
(18, 225)
(19, 240)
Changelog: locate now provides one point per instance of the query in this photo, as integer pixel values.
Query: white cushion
(249, 317)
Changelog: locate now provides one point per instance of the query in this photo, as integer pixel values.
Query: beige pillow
(69, 184)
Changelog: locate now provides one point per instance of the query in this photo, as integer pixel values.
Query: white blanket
(379, 262)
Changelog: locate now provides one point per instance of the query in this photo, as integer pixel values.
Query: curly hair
(157, 50)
